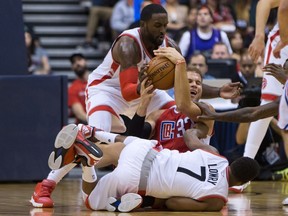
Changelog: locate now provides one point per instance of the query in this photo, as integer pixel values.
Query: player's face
(195, 82)
(155, 28)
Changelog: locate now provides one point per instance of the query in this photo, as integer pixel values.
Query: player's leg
(41, 196)
(117, 190)
(103, 111)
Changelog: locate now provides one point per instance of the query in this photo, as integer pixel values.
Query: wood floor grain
(260, 198)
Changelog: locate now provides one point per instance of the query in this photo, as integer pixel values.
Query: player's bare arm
(181, 85)
(127, 53)
(227, 91)
(277, 71)
(246, 114)
(188, 204)
(191, 138)
(257, 46)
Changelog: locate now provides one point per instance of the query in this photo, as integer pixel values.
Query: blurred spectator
(136, 23)
(203, 37)
(101, 10)
(199, 61)
(38, 61)
(259, 66)
(177, 15)
(237, 44)
(76, 91)
(191, 18)
(122, 16)
(222, 16)
(247, 68)
(220, 51)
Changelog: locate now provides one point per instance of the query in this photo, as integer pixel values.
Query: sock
(129, 139)
(57, 175)
(256, 133)
(89, 174)
(105, 136)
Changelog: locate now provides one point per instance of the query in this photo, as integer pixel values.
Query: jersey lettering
(200, 177)
(213, 174)
(167, 129)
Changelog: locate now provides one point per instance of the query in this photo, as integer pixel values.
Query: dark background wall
(13, 55)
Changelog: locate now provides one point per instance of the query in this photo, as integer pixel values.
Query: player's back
(197, 174)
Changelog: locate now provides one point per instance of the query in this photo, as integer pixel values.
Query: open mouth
(193, 92)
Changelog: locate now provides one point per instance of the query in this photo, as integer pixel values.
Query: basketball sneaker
(41, 195)
(240, 188)
(89, 132)
(126, 203)
(70, 144)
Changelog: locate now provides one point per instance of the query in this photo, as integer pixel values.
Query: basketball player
(167, 126)
(271, 88)
(192, 181)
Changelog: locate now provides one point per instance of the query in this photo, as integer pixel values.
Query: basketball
(161, 72)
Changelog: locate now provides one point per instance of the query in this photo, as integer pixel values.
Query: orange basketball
(161, 71)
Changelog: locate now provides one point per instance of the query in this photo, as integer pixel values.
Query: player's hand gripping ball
(161, 72)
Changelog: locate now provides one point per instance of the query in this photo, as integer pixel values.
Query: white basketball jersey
(270, 85)
(106, 75)
(283, 109)
(198, 175)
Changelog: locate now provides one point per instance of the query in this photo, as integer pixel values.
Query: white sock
(256, 133)
(89, 174)
(130, 139)
(57, 175)
(105, 136)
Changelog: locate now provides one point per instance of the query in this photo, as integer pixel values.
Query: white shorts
(119, 182)
(111, 100)
(283, 109)
(271, 87)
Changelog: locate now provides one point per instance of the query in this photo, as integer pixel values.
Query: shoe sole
(64, 139)
(92, 150)
(39, 205)
(128, 203)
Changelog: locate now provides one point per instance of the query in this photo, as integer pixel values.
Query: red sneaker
(41, 196)
(88, 132)
(70, 144)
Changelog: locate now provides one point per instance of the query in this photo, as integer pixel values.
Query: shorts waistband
(145, 169)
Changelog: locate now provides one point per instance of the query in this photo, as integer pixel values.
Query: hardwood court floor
(260, 198)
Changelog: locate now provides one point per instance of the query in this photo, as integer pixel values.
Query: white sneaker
(127, 203)
(240, 188)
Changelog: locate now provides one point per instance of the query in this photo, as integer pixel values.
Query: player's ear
(142, 23)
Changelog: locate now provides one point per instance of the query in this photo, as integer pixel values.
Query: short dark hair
(194, 69)
(151, 9)
(74, 55)
(245, 169)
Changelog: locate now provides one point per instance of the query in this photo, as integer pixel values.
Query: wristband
(180, 61)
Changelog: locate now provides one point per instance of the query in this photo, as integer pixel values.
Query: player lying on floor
(192, 181)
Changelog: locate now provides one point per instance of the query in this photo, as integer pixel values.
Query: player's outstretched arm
(188, 204)
(246, 114)
(227, 91)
